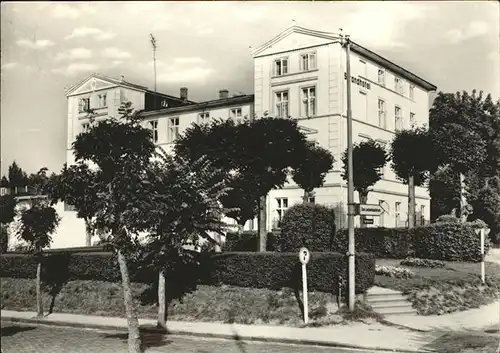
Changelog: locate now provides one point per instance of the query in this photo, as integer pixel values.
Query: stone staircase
(389, 302)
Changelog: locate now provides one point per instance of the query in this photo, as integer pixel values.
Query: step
(388, 297)
(396, 311)
(382, 305)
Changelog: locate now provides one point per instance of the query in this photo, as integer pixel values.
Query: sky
(206, 46)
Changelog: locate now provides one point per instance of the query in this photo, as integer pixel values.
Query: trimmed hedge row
(247, 241)
(438, 241)
(256, 270)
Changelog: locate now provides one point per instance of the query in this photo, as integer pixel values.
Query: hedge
(247, 241)
(245, 269)
(309, 225)
(438, 241)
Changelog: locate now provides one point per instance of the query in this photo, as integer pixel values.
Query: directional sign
(367, 220)
(304, 256)
(370, 210)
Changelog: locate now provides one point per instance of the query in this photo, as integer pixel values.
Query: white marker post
(304, 256)
(483, 274)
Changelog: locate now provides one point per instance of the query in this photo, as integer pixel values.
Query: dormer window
(308, 61)
(280, 67)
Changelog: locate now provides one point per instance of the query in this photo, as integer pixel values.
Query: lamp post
(351, 212)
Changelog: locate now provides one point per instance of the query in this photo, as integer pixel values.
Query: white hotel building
(298, 74)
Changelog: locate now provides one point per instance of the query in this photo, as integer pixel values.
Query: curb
(236, 337)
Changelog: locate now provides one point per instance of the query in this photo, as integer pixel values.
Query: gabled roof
(111, 80)
(333, 37)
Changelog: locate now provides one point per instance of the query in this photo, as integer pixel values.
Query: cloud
(189, 60)
(205, 31)
(116, 63)
(115, 53)
(473, 29)
(76, 53)
(9, 66)
(76, 68)
(71, 11)
(183, 70)
(38, 44)
(96, 33)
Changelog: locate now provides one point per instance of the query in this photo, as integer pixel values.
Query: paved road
(44, 339)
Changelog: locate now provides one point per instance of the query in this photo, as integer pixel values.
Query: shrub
(393, 271)
(309, 225)
(247, 241)
(415, 262)
(277, 270)
(447, 218)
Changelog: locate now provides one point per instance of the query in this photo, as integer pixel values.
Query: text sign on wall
(358, 81)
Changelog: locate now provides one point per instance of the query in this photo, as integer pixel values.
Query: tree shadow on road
(7, 331)
(149, 338)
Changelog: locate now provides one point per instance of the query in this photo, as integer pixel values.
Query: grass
(466, 343)
(454, 287)
(225, 304)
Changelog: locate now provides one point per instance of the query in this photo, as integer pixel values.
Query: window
(83, 105)
(235, 114)
(422, 214)
(85, 127)
(382, 122)
(362, 68)
(69, 208)
(397, 211)
(398, 121)
(312, 199)
(412, 91)
(173, 129)
(203, 117)
(381, 220)
(381, 77)
(398, 85)
(282, 104)
(102, 100)
(281, 207)
(412, 118)
(153, 126)
(309, 101)
(251, 224)
(280, 67)
(308, 62)
(363, 106)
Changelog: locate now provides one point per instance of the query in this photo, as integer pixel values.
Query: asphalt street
(45, 339)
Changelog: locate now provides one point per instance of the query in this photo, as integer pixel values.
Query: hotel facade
(299, 74)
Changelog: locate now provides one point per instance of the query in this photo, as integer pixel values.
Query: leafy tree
(7, 214)
(368, 160)
(38, 223)
(444, 186)
(313, 164)
(4, 182)
(17, 177)
(120, 149)
(410, 151)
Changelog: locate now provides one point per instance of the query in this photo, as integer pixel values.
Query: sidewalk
(358, 335)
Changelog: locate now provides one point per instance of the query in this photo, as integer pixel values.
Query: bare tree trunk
(411, 201)
(363, 199)
(305, 198)
(39, 302)
(462, 215)
(134, 339)
(262, 224)
(162, 305)
(88, 233)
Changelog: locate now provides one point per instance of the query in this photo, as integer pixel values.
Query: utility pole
(351, 211)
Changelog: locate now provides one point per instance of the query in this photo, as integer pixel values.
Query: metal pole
(483, 274)
(304, 289)
(350, 183)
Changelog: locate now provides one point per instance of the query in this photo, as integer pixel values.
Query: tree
(187, 208)
(368, 160)
(313, 164)
(7, 214)
(444, 186)
(120, 149)
(17, 177)
(37, 224)
(4, 182)
(410, 152)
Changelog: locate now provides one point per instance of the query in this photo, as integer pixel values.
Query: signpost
(304, 257)
(482, 232)
(369, 210)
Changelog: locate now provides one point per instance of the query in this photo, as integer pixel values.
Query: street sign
(367, 220)
(304, 256)
(370, 210)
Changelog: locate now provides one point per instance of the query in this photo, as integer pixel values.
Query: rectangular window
(362, 68)
(382, 121)
(85, 127)
(308, 62)
(153, 126)
(422, 214)
(412, 91)
(312, 199)
(83, 105)
(398, 119)
(173, 129)
(363, 106)
(397, 213)
(309, 101)
(412, 119)
(398, 85)
(69, 208)
(203, 117)
(282, 104)
(281, 207)
(280, 67)
(381, 77)
(102, 102)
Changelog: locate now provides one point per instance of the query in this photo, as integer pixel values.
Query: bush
(247, 241)
(437, 241)
(415, 262)
(393, 271)
(309, 225)
(257, 270)
(447, 218)
(277, 270)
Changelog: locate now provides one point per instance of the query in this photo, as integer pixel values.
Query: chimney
(122, 78)
(184, 93)
(223, 94)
